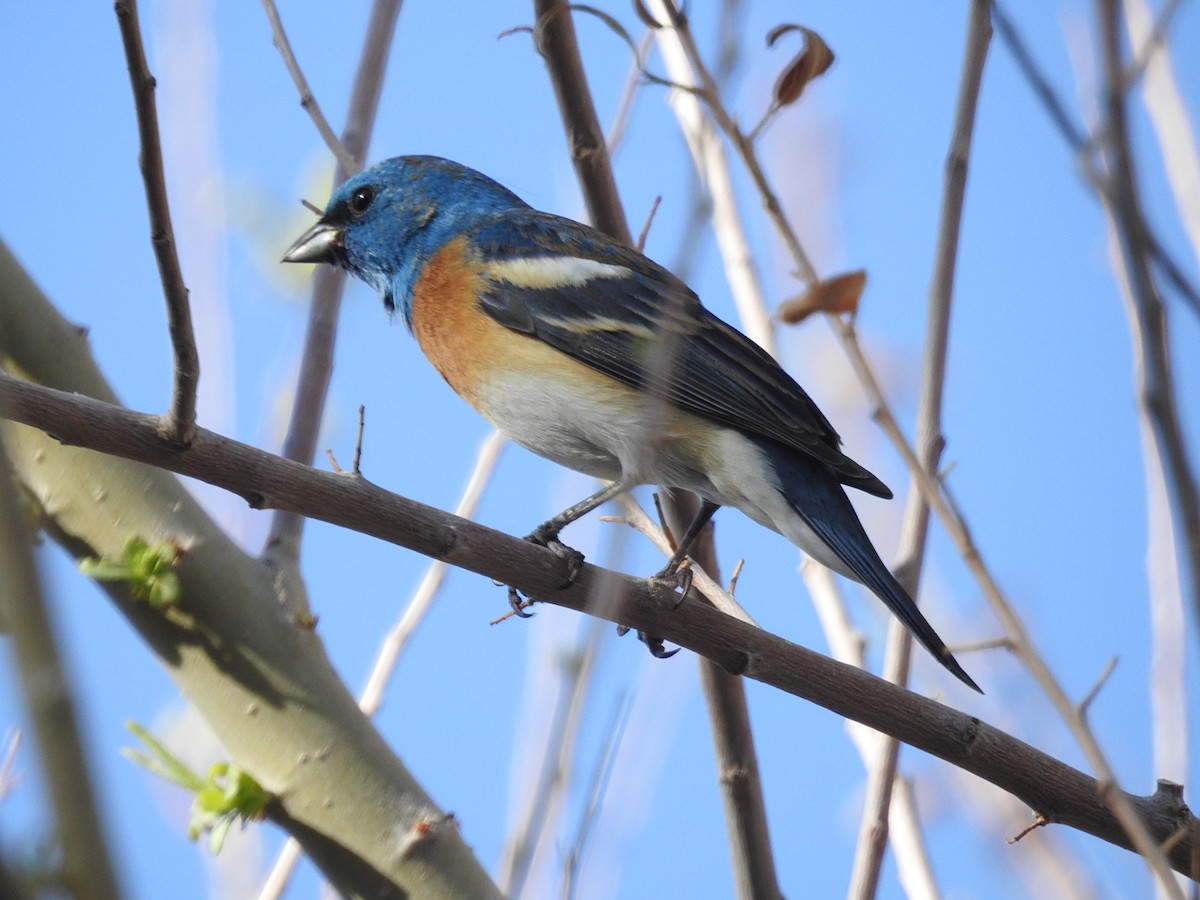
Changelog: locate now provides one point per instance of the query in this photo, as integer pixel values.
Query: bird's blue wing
(614, 310)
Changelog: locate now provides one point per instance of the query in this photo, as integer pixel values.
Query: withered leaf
(812, 61)
(839, 294)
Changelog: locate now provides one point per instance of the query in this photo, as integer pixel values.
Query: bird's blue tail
(817, 497)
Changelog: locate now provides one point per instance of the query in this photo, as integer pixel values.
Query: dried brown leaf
(809, 63)
(839, 294)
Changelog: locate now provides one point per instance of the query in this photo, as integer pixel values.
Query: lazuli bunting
(589, 354)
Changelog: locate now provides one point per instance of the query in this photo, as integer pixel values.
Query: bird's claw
(517, 604)
(655, 646)
(573, 558)
(677, 579)
(545, 537)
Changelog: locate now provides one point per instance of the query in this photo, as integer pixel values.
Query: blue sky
(1039, 416)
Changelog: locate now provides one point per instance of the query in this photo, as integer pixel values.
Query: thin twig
(307, 99)
(179, 423)
(873, 827)
(1092, 694)
(562, 740)
(638, 519)
(282, 547)
(645, 232)
(733, 579)
(1151, 42)
(1082, 146)
(9, 779)
(358, 442)
(629, 94)
(601, 775)
(1158, 393)
(400, 633)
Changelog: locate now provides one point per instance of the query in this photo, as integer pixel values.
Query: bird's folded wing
(615, 311)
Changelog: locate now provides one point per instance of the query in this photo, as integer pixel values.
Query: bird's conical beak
(319, 244)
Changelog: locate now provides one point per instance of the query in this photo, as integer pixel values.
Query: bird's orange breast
(456, 336)
(469, 348)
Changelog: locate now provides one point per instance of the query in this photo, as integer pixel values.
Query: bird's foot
(677, 578)
(518, 605)
(655, 646)
(546, 535)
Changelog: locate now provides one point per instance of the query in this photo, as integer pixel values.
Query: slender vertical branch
(554, 35)
(1168, 609)
(576, 854)
(574, 688)
(307, 99)
(928, 484)
(1158, 393)
(725, 695)
(178, 424)
(282, 547)
(86, 869)
(1081, 145)
(873, 829)
(733, 743)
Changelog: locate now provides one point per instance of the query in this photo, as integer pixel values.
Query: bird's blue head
(385, 222)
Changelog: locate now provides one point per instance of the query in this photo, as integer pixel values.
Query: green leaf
(227, 794)
(150, 570)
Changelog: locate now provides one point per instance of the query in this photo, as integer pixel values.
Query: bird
(588, 353)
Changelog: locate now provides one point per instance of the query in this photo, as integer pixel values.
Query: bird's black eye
(360, 200)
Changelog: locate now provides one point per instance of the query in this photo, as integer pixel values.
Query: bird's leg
(671, 571)
(546, 535)
(682, 580)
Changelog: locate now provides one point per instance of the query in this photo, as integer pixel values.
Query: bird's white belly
(603, 428)
(582, 429)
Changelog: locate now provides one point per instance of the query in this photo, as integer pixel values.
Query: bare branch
(1064, 794)
(554, 35)
(562, 741)
(868, 860)
(282, 547)
(86, 869)
(397, 637)
(1158, 390)
(1083, 148)
(307, 100)
(1092, 694)
(1151, 42)
(754, 869)
(178, 424)
(573, 863)
(928, 484)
